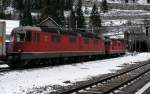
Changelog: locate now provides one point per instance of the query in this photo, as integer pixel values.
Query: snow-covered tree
(95, 20)
(80, 21)
(104, 6)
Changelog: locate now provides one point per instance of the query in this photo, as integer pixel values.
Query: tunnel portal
(140, 46)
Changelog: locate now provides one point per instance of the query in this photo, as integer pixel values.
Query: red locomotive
(44, 44)
(115, 47)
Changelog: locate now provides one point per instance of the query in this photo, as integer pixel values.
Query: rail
(108, 78)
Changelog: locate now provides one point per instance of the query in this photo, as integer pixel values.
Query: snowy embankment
(21, 82)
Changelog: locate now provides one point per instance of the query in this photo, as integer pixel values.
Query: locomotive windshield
(23, 36)
(20, 37)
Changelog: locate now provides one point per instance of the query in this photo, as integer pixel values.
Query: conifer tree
(27, 17)
(20, 7)
(2, 15)
(72, 19)
(4, 4)
(95, 20)
(24, 8)
(47, 8)
(54, 9)
(104, 6)
(36, 5)
(80, 21)
(68, 4)
(60, 12)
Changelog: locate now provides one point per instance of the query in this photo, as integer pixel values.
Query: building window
(56, 38)
(72, 39)
(147, 30)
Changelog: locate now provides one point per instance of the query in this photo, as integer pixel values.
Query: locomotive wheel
(18, 63)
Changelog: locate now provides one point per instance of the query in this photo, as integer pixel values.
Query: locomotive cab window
(56, 38)
(72, 39)
(20, 37)
(86, 40)
(107, 42)
(28, 36)
(23, 36)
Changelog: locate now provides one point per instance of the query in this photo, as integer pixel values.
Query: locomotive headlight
(19, 50)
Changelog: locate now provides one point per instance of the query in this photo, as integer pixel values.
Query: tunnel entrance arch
(140, 46)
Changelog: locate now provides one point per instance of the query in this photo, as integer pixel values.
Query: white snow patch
(9, 10)
(122, 1)
(115, 35)
(10, 25)
(19, 82)
(114, 22)
(142, 1)
(3, 66)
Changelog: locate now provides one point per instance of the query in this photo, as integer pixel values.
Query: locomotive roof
(26, 28)
(55, 30)
(49, 25)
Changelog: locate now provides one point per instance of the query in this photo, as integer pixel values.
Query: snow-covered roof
(10, 25)
(114, 35)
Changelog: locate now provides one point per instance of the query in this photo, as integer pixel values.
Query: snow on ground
(19, 82)
(119, 1)
(3, 66)
(142, 1)
(118, 12)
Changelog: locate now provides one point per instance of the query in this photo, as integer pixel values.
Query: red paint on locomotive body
(116, 47)
(53, 42)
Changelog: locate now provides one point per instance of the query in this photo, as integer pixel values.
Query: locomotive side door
(107, 45)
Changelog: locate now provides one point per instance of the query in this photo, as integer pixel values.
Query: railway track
(5, 69)
(113, 83)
